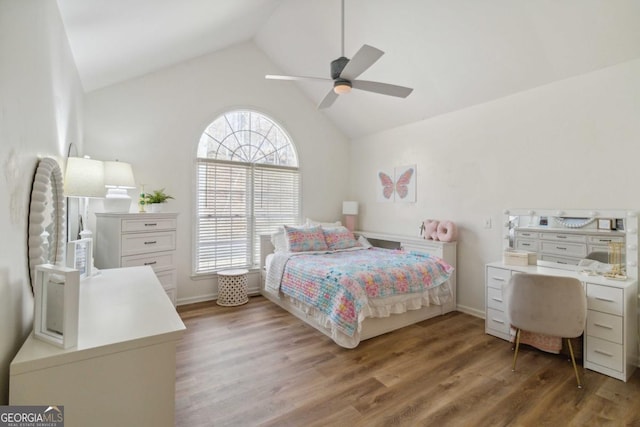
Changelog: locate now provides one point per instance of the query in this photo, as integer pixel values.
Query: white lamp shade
(84, 177)
(118, 174)
(350, 208)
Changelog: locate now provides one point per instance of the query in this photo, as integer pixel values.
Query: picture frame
(57, 301)
(605, 224)
(79, 256)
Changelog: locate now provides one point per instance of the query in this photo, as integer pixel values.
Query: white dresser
(611, 334)
(135, 239)
(123, 369)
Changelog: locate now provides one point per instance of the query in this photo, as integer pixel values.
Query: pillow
(339, 238)
(312, 223)
(279, 241)
(364, 242)
(305, 239)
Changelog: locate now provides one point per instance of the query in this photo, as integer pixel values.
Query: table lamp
(350, 212)
(118, 177)
(84, 178)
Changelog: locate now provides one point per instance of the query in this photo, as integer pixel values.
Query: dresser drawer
(141, 243)
(605, 299)
(148, 224)
(158, 261)
(605, 326)
(497, 320)
(494, 299)
(168, 278)
(604, 353)
(564, 249)
(497, 277)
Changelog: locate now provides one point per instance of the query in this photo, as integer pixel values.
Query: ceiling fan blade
(383, 88)
(328, 100)
(363, 59)
(293, 78)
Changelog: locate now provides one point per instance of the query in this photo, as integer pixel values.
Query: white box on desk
(522, 258)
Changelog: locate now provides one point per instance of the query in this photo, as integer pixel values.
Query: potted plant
(156, 198)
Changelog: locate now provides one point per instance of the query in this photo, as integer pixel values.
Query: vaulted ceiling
(454, 53)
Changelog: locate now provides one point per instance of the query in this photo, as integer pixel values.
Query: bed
(368, 315)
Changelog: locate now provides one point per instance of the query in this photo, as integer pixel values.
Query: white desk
(123, 370)
(611, 333)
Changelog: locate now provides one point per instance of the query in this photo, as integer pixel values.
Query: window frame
(250, 184)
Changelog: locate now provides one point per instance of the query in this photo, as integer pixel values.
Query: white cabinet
(123, 369)
(135, 239)
(611, 331)
(496, 309)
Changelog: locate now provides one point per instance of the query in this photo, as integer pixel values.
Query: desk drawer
(560, 260)
(158, 261)
(494, 299)
(604, 353)
(497, 277)
(564, 249)
(497, 320)
(148, 224)
(560, 237)
(527, 234)
(605, 326)
(605, 299)
(527, 245)
(142, 243)
(604, 240)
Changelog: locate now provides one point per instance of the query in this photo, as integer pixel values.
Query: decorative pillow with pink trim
(305, 239)
(339, 238)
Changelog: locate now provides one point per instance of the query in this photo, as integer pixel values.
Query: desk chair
(549, 305)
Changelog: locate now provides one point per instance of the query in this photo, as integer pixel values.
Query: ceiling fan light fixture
(342, 87)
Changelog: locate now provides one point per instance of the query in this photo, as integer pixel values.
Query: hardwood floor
(257, 365)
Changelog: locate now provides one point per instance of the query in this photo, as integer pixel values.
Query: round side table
(232, 287)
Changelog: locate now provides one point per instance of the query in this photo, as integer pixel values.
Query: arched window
(247, 184)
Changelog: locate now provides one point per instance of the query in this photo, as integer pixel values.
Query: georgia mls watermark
(31, 416)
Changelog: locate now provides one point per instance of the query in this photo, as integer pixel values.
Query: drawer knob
(497, 299)
(604, 299)
(150, 224)
(153, 242)
(499, 279)
(151, 263)
(561, 248)
(497, 320)
(604, 353)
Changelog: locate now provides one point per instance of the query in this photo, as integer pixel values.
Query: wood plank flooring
(257, 365)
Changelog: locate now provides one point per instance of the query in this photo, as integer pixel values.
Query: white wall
(571, 144)
(40, 102)
(155, 122)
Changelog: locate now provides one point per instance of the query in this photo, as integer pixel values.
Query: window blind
(236, 202)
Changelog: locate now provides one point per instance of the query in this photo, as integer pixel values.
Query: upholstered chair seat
(549, 305)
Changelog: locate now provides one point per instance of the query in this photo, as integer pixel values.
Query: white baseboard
(470, 310)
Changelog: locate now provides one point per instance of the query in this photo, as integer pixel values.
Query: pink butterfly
(401, 186)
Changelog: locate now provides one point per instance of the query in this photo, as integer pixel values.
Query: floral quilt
(339, 284)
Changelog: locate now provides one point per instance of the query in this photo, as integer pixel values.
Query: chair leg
(515, 354)
(573, 360)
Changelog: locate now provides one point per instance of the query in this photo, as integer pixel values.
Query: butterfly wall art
(398, 185)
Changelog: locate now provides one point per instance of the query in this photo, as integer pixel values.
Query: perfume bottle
(141, 199)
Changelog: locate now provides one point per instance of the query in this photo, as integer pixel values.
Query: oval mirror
(46, 239)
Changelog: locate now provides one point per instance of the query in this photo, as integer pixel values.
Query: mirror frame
(47, 180)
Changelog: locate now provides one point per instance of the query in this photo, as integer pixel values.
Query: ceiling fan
(344, 72)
